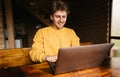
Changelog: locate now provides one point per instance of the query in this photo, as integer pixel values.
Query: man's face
(59, 19)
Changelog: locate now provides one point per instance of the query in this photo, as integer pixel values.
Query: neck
(56, 28)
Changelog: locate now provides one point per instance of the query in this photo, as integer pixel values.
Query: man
(48, 40)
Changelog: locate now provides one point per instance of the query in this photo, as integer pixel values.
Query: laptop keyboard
(52, 66)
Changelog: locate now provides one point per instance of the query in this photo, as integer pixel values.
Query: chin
(60, 27)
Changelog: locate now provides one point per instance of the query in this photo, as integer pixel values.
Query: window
(115, 27)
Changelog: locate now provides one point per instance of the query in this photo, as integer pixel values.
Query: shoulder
(68, 29)
(43, 29)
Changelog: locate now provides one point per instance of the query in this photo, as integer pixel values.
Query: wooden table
(110, 68)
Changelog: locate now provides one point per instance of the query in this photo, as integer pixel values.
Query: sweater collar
(56, 29)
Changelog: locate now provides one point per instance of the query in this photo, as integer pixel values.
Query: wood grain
(14, 57)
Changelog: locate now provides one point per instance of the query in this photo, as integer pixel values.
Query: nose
(61, 19)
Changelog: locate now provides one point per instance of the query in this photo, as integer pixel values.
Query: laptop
(80, 57)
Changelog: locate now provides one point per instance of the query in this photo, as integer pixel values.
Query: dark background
(89, 18)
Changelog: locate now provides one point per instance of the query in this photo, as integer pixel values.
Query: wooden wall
(2, 38)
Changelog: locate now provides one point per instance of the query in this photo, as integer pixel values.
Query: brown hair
(59, 5)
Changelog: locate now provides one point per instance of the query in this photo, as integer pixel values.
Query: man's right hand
(51, 58)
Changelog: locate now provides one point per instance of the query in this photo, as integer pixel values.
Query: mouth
(60, 24)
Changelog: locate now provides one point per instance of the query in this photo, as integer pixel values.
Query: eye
(57, 16)
(64, 16)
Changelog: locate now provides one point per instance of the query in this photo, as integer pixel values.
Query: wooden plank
(14, 57)
(2, 36)
(9, 22)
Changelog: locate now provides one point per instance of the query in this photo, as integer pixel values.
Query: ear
(51, 17)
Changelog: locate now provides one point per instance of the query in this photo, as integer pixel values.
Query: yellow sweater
(48, 40)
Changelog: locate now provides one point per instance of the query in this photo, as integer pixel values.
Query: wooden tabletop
(110, 68)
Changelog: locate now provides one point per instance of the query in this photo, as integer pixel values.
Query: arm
(75, 40)
(37, 54)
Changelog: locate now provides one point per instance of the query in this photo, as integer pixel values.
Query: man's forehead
(59, 12)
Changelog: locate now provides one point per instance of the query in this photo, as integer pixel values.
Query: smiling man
(48, 40)
(59, 19)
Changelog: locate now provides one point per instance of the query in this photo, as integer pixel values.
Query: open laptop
(80, 57)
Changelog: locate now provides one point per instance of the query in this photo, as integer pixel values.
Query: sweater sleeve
(75, 40)
(37, 53)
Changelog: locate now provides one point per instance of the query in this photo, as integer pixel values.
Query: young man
(48, 40)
